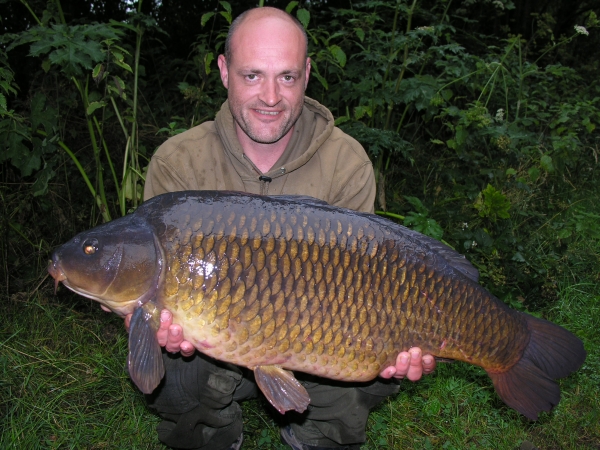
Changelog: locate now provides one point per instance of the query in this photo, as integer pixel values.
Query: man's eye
(288, 78)
(251, 77)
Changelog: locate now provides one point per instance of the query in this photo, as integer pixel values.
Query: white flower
(498, 4)
(473, 244)
(581, 30)
(499, 115)
(465, 225)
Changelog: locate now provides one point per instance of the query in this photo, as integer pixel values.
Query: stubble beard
(242, 118)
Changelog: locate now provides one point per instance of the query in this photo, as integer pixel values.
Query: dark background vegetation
(481, 118)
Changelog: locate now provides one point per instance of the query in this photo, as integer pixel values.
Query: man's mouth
(266, 113)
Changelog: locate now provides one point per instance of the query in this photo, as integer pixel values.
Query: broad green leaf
(461, 136)
(423, 224)
(360, 34)
(564, 233)
(98, 72)
(436, 141)
(20, 156)
(226, 6)
(417, 204)
(118, 88)
(46, 65)
(93, 106)
(492, 203)
(546, 163)
(227, 16)
(322, 80)
(290, 7)
(40, 187)
(447, 94)
(338, 54)
(534, 173)
(206, 17)
(360, 111)
(123, 65)
(42, 115)
(303, 16)
(518, 257)
(341, 120)
(208, 58)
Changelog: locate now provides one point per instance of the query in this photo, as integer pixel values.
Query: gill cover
(117, 264)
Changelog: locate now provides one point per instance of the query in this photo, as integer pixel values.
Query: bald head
(267, 17)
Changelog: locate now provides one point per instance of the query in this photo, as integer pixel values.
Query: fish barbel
(287, 283)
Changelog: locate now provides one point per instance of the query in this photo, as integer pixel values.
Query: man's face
(266, 77)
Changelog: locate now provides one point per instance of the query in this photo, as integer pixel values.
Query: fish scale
(290, 283)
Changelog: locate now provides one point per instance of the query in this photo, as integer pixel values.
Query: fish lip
(54, 269)
(56, 272)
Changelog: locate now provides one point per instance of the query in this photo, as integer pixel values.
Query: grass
(63, 385)
(63, 381)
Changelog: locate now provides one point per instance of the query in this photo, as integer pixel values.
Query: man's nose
(270, 93)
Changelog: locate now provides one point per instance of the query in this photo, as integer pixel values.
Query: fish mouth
(56, 272)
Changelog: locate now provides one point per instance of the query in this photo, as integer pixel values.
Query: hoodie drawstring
(264, 187)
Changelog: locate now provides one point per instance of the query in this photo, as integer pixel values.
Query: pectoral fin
(145, 364)
(282, 390)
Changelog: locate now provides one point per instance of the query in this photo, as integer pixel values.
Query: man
(267, 139)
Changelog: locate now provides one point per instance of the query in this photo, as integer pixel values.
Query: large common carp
(274, 283)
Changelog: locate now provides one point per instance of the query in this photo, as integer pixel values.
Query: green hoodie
(320, 161)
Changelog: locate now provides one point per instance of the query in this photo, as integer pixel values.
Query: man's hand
(169, 335)
(411, 365)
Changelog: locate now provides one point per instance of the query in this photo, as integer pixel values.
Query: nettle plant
(105, 71)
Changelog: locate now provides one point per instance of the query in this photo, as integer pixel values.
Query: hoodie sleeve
(358, 191)
(353, 179)
(162, 178)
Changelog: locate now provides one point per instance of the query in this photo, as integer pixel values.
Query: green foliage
(74, 49)
(81, 52)
(27, 144)
(418, 220)
(492, 204)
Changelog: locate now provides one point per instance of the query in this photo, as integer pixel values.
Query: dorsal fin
(305, 199)
(455, 259)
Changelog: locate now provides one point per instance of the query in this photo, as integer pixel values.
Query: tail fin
(529, 385)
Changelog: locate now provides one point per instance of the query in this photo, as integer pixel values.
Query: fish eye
(90, 246)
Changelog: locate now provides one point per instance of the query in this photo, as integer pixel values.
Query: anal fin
(281, 388)
(145, 364)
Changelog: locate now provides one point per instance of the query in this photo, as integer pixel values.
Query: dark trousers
(198, 402)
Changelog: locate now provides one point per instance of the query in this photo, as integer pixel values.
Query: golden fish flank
(259, 281)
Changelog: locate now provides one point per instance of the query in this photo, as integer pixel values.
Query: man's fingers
(388, 372)
(415, 369)
(428, 364)
(187, 349)
(174, 339)
(127, 321)
(411, 364)
(169, 335)
(162, 334)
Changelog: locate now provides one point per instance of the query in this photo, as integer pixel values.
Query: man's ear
(222, 63)
(307, 73)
